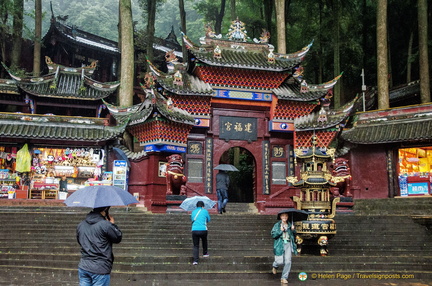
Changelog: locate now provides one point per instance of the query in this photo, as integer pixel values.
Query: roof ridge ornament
(271, 55)
(210, 33)
(237, 31)
(217, 53)
(265, 37)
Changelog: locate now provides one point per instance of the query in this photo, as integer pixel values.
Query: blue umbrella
(189, 204)
(100, 196)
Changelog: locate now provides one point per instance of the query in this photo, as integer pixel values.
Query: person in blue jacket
(284, 245)
(199, 217)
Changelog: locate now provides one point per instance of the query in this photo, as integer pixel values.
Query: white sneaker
(195, 263)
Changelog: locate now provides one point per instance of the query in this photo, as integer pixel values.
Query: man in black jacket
(95, 235)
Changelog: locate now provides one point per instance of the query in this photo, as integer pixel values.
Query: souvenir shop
(43, 172)
(415, 176)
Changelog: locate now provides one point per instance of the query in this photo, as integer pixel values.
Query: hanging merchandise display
(44, 172)
(23, 160)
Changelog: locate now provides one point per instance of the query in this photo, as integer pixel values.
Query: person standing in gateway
(95, 235)
(222, 184)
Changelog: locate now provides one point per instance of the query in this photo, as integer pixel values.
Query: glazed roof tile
(65, 83)
(244, 59)
(28, 126)
(406, 124)
(333, 118)
(191, 85)
(81, 38)
(243, 55)
(291, 89)
(134, 156)
(154, 103)
(292, 92)
(8, 86)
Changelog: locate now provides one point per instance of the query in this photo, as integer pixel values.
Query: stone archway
(242, 187)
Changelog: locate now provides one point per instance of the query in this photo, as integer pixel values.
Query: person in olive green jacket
(284, 245)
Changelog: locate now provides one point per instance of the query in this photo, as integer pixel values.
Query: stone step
(40, 243)
(394, 206)
(69, 277)
(206, 266)
(303, 260)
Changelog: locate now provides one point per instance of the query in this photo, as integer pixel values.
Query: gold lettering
(195, 148)
(278, 152)
(316, 226)
(238, 127)
(228, 126)
(248, 127)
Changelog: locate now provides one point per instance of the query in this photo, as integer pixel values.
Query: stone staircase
(38, 246)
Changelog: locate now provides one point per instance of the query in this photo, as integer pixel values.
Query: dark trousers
(196, 236)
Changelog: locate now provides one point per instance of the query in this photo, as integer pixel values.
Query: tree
(5, 7)
(233, 9)
(151, 9)
(382, 61)
(423, 52)
(336, 51)
(219, 17)
(268, 12)
(18, 13)
(37, 40)
(183, 25)
(280, 24)
(127, 53)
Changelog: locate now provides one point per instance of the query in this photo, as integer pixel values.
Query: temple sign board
(238, 128)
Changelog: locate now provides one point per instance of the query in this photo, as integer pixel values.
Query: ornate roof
(8, 86)
(154, 104)
(296, 89)
(134, 156)
(64, 82)
(123, 114)
(236, 57)
(181, 83)
(79, 37)
(325, 118)
(236, 50)
(405, 124)
(51, 127)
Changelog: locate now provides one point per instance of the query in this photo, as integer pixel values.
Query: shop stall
(54, 172)
(415, 171)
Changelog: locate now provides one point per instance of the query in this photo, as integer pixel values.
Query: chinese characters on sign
(238, 128)
(209, 166)
(266, 167)
(324, 227)
(278, 152)
(195, 148)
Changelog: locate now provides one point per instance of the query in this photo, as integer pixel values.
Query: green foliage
(99, 17)
(306, 21)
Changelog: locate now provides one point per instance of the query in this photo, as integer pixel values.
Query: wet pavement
(323, 282)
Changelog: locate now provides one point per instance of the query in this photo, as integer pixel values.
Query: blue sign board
(418, 188)
(165, 148)
(120, 163)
